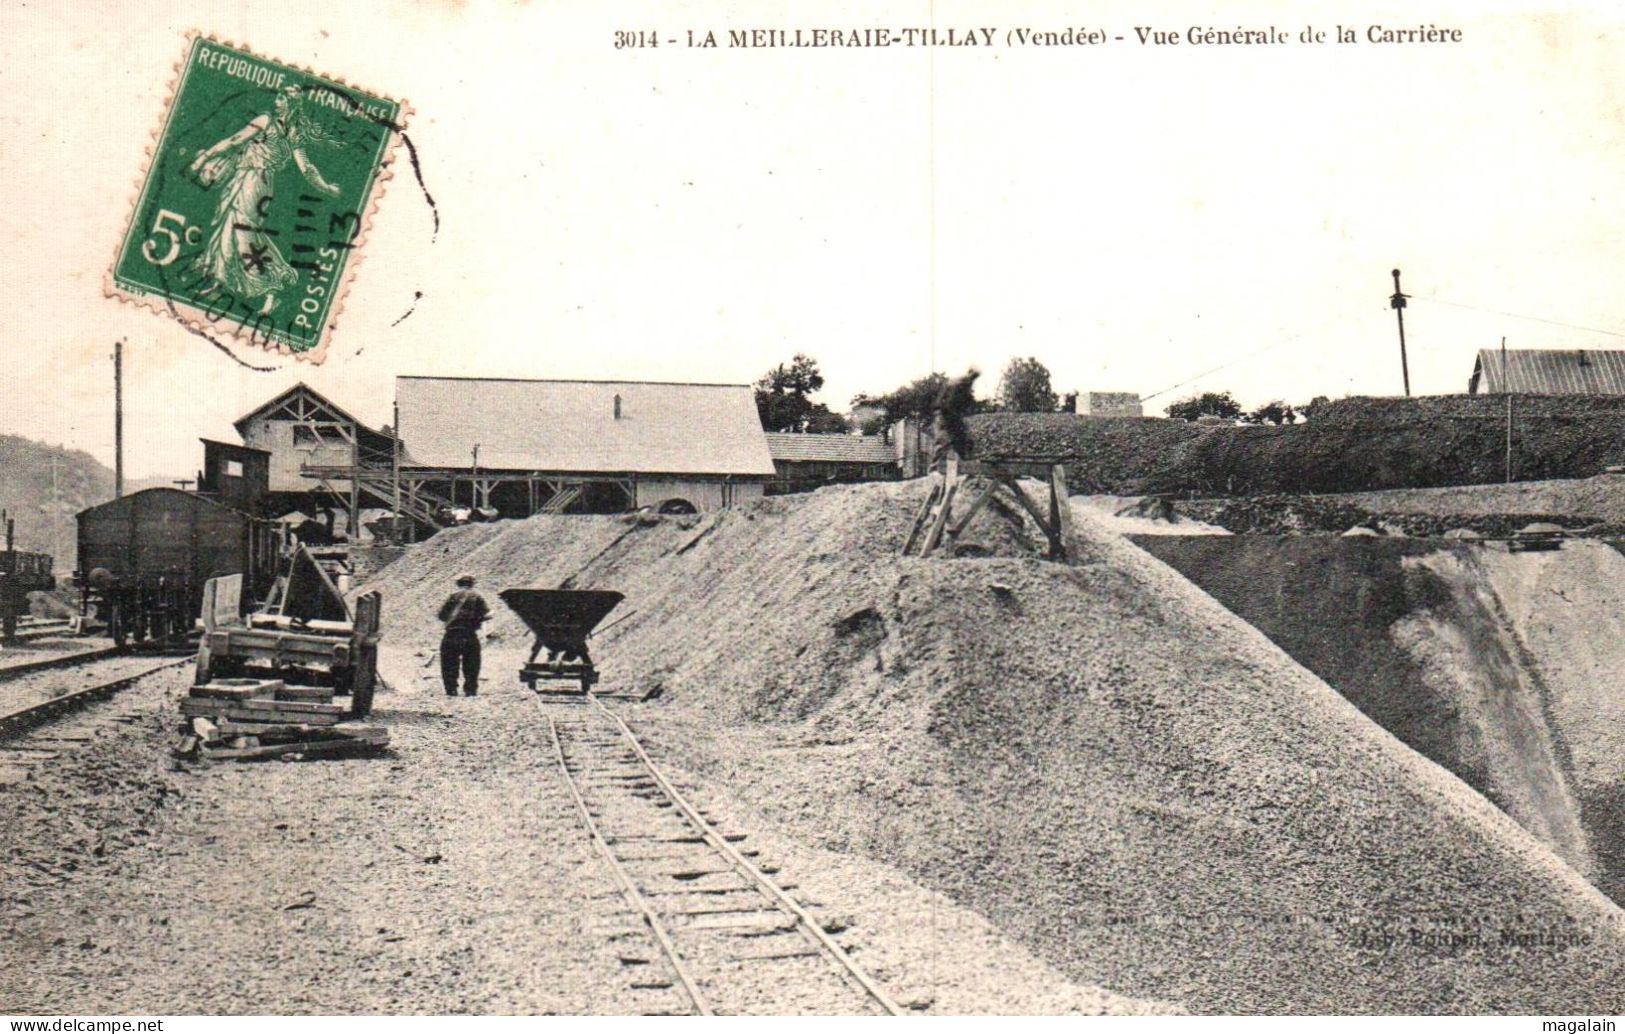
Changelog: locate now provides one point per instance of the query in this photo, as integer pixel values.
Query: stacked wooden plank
(241, 719)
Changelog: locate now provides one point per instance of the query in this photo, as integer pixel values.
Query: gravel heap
(1347, 445)
(1099, 758)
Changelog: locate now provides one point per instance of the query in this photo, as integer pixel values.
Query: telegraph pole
(56, 510)
(395, 474)
(118, 419)
(1397, 303)
(1507, 384)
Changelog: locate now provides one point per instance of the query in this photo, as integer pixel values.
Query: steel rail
(629, 889)
(744, 865)
(66, 661)
(25, 718)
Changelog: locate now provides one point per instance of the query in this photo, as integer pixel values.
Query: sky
(1163, 220)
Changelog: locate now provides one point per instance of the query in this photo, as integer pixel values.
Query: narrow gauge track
(18, 719)
(67, 660)
(734, 939)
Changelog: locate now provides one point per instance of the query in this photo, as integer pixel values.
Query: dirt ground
(450, 876)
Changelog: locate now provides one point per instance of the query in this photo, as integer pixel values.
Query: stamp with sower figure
(256, 199)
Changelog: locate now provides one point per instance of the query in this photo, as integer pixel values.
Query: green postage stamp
(256, 199)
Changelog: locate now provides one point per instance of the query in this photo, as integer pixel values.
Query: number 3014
(636, 38)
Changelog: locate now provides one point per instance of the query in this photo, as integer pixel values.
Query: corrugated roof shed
(579, 427)
(1540, 371)
(828, 448)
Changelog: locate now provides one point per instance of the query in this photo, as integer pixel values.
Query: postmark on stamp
(256, 199)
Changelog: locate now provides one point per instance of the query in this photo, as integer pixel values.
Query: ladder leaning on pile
(981, 480)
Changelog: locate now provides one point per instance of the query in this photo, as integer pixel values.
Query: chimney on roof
(617, 407)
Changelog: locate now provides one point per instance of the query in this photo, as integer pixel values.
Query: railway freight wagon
(143, 560)
(20, 574)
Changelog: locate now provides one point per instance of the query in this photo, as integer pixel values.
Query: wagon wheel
(363, 680)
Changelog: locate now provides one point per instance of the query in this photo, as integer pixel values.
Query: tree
(914, 399)
(1210, 403)
(783, 394)
(1025, 387)
(820, 420)
(1275, 412)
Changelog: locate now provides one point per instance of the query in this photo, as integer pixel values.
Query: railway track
(69, 660)
(26, 707)
(728, 936)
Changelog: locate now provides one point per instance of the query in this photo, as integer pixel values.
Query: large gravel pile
(1099, 758)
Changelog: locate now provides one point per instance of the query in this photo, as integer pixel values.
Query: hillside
(1115, 770)
(39, 481)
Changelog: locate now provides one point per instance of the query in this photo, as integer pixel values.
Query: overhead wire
(1244, 358)
(1516, 315)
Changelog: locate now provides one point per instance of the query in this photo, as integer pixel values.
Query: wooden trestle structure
(979, 481)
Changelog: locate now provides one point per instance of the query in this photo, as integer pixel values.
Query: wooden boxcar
(143, 559)
(20, 574)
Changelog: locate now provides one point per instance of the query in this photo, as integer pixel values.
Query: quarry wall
(1502, 667)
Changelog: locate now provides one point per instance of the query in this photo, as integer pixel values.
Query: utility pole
(56, 511)
(395, 473)
(8, 616)
(1506, 382)
(118, 419)
(1397, 303)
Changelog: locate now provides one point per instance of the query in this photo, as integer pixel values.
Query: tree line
(784, 400)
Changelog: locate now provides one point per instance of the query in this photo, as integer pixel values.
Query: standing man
(462, 613)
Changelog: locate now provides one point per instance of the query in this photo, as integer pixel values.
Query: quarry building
(508, 447)
(1548, 371)
(804, 461)
(528, 446)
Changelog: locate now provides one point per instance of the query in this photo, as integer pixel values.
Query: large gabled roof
(571, 426)
(1549, 371)
(789, 447)
(316, 397)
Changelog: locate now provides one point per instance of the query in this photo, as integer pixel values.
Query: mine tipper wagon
(561, 620)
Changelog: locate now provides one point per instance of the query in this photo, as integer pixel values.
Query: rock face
(1500, 666)
(1116, 770)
